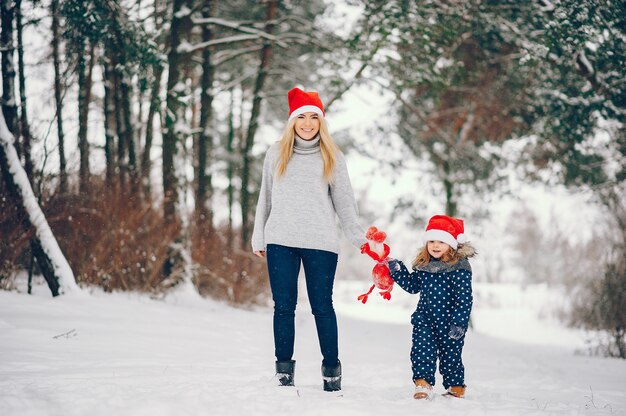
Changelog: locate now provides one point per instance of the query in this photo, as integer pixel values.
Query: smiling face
(437, 248)
(307, 125)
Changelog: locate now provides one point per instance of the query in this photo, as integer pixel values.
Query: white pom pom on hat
(445, 229)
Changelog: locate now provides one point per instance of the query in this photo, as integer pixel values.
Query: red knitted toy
(377, 250)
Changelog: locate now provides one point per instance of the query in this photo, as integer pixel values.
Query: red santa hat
(445, 229)
(301, 102)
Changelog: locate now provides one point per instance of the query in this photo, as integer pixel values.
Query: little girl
(443, 276)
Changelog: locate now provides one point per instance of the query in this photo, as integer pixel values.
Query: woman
(305, 185)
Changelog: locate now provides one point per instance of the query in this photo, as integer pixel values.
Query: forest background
(141, 127)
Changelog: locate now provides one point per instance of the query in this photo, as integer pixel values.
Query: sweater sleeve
(463, 299)
(409, 281)
(343, 200)
(264, 204)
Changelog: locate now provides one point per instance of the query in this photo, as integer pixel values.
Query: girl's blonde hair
(328, 148)
(452, 256)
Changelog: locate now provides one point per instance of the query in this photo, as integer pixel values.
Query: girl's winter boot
(423, 390)
(332, 376)
(285, 371)
(455, 391)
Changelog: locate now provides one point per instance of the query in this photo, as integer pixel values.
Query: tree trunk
(84, 70)
(24, 127)
(129, 138)
(51, 261)
(172, 135)
(230, 150)
(119, 122)
(266, 53)
(450, 203)
(109, 121)
(205, 140)
(9, 105)
(54, 6)
(179, 26)
(146, 162)
(157, 69)
(449, 189)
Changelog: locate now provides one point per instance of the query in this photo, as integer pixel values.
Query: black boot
(332, 377)
(285, 371)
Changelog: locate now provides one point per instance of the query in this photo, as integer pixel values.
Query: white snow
(548, 6)
(183, 12)
(127, 354)
(67, 282)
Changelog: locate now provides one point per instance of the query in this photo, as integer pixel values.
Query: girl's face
(307, 125)
(437, 248)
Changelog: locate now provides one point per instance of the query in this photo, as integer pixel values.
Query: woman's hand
(260, 253)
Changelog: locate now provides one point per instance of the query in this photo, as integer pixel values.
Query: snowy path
(129, 355)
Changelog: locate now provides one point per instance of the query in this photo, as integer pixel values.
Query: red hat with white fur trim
(445, 229)
(301, 102)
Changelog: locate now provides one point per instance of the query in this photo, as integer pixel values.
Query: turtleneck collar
(305, 147)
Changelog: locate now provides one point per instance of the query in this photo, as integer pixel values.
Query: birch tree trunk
(266, 54)
(52, 263)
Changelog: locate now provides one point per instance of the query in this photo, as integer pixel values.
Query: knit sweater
(299, 208)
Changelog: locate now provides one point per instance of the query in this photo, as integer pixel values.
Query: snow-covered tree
(50, 259)
(467, 73)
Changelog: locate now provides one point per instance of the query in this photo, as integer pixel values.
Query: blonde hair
(328, 148)
(422, 258)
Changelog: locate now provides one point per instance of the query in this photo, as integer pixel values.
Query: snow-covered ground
(127, 354)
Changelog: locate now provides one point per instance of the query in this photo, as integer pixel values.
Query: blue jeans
(283, 265)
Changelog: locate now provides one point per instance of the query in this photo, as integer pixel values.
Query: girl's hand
(393, 264)
(456, 332)
(260, 253)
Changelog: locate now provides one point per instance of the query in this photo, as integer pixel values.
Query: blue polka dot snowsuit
(445, 300)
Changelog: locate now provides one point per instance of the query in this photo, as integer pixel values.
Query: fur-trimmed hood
(466, 250)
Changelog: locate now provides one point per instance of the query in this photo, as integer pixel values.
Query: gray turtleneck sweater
(298, 209)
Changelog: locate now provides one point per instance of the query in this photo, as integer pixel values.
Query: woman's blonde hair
(452, 256)
(328, 148)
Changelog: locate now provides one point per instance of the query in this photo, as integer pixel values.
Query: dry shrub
(115, 241)
(224, 272)
(598, 306)
(111, 239)
(13, 239)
